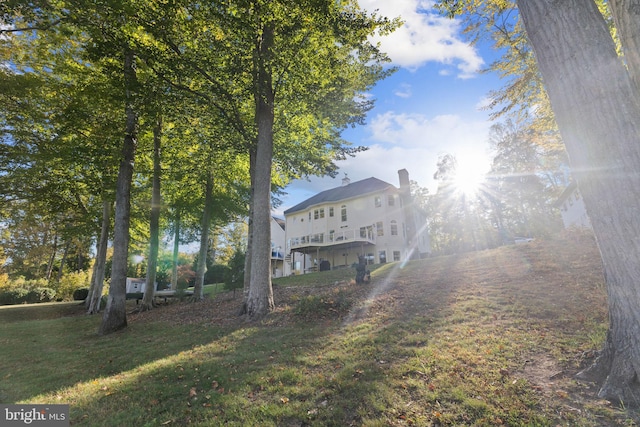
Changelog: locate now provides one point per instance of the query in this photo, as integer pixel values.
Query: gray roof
(354, 189)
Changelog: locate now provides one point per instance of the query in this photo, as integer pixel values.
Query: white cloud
(406, 141)
(424, 37)
(404, 91)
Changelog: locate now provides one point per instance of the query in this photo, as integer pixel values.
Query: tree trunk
(63, 260)
(198, 290)
(260, 298)
(115, 316)
(626, 16)
(176, 249)
(52, 258)
(95, 294)
(154, 222)
(598, 115)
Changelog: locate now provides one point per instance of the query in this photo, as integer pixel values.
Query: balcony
(333, 239)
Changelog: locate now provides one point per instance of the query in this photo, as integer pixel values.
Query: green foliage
(40, 295)
(216, 274)
(26, 296)
(80, 294)
(234, 277)
(13, 296)
(70, 282)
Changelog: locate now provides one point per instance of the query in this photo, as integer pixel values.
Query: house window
(394, 228)
(318, 213)
(331, 235)
(396, 255)
(321, 212)
(331, 211)
(363, 232)
(343, 213)
(380, 228)
(382, 255)
(392, 200)
(378, 201)
(309, 215)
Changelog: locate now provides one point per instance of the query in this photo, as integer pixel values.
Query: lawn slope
(486, 338)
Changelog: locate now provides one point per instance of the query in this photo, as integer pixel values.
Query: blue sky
(429, 107)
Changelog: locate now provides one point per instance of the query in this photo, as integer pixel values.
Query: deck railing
(329, 239)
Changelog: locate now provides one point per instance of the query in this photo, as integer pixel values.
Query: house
(278, 239)
(572, 209)
(369, 218)
(280, 262)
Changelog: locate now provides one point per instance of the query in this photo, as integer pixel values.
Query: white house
(371, 218)
(572, 209)
(278, 240)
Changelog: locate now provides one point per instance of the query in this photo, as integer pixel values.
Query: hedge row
(26, 296)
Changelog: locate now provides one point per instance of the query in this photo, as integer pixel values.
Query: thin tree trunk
(598, 115)
(260, 299)
(95, 294)
(198, 290)
(176, 249)
(63, 260)
(115, 316)
(53, 257)
(154, 222)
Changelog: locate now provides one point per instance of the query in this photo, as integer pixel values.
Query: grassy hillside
(486, 338)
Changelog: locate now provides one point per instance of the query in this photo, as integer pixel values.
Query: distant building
(572, 209)
(369, 218)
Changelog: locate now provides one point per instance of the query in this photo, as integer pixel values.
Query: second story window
(377, 201)
(394, 228)
(343, 213)
(380, 228)
(392, 200)
(318, 213)
(331, 211)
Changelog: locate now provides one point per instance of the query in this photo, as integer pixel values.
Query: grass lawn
(487, 338)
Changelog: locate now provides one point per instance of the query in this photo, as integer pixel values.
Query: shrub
(40, 295)
(215, 274)
(234, 277)
(80, 294)
(13, 296)
(70, 282)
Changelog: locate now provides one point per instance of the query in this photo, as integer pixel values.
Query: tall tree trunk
(176, 249)
(198, 290)
(154, 222)
(260, 298)
(95, 293)
(115, 316)
(598, 114)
